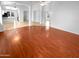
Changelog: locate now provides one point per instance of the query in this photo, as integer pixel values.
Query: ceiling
(32, 2)
(28, 2)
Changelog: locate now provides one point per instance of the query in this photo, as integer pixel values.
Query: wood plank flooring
(37, 42)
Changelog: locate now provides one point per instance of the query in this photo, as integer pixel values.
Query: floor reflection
(9, 25)
(16, 39)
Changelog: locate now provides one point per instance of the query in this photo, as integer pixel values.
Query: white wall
(1, 25)
(65, 16)
(0, 16)
(36, 9)
(40, 13)
(21, 9)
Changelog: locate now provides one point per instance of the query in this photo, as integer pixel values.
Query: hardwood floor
(36, 41)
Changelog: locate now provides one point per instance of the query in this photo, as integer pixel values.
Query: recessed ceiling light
(11, 8)
(44, 3)
(7, 3)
